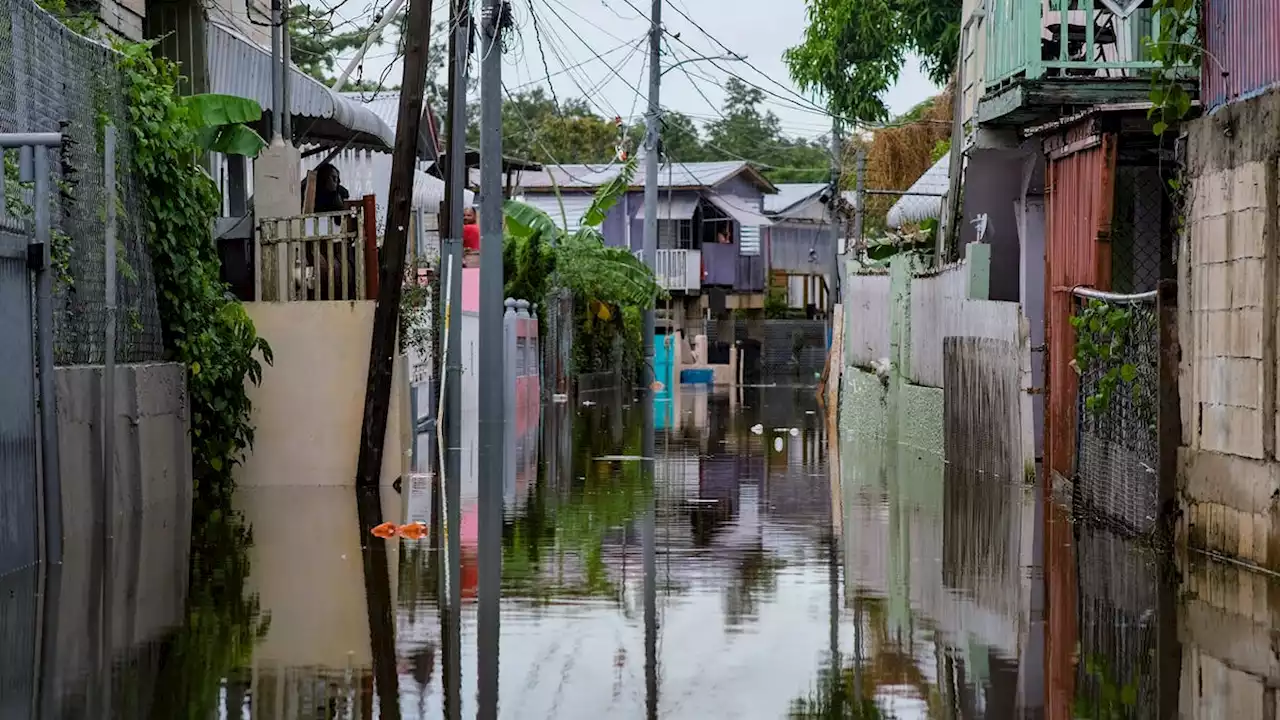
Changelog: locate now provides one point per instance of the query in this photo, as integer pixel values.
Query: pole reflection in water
(377, 584)
(649, 533)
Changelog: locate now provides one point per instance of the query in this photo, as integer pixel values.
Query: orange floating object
(656, 386)
(413, 531)
(384, 531)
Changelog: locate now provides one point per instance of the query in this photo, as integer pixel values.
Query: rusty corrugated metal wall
(1080, 195)
(1242, 44)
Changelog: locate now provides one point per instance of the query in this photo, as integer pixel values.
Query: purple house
(710, 222)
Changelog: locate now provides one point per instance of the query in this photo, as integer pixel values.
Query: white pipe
(391, 12)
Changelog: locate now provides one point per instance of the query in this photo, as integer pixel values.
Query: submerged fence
(1117, 409)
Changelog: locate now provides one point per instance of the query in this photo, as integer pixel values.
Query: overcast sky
(574, 32)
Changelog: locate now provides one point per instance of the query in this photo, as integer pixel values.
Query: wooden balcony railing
(1034, 39)
(320, 256)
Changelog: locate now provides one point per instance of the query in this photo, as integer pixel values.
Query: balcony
(678, 270)
(1046, 55)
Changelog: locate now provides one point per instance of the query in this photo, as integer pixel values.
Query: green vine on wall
(1101, 332)
(204, 328)
(1175, 51)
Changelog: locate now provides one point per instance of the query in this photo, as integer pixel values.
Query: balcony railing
(678, 270)
(320, 256)
(1035, 39)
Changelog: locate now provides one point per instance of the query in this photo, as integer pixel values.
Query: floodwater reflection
(783, 584)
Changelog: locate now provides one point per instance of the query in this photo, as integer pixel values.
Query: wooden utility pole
(377, 397)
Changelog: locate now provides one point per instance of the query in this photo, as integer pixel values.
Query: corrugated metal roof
(924, 200)
(589, 177)
(369, 173)
(734, 208)
(237, 66)
(386, 105)
(791, 194)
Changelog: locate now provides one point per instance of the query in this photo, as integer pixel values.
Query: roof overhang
(238, 66)
(744, 215)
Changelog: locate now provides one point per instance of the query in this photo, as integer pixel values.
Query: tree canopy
(853, 50)
(541, 127)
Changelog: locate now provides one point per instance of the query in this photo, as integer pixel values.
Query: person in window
(470, 238)
(724, 235)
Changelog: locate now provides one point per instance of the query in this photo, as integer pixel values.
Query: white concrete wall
(867, 318)
(309, 409)
(940, 308)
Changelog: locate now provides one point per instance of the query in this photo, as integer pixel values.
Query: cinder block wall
(1229, 480)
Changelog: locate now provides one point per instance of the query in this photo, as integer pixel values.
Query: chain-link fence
(52, 80)
(1117, 447)
(1138, 226)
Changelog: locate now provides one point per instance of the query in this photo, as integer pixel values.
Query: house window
(675, 234)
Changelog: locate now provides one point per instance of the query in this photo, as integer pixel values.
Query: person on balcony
(470, 238)
(330, 196)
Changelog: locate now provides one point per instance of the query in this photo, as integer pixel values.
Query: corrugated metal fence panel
(18, 520)
(1242, 44)
(1080, 196)
(19, 608)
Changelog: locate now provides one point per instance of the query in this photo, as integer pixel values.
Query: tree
(744, 132)
(537, 128)
(314, 46)
(853, 50)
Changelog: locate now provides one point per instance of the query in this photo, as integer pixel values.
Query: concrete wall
(866, 303)
(151, 502)
(310, 406)
(1227, 283)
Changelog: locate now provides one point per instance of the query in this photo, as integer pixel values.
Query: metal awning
(923, 200)
(679, 207)
(238, 66)
(747, 217)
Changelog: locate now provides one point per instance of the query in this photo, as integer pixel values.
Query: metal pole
(490, 353)
(837, 162)
(451, 253)
(652, 118)
(108, 415)
(286, 64)
(652, 133)
(277, 72)
(860, 196)
(48, 390)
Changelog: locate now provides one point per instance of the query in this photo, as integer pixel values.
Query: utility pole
(451, 423)
(652, 119)
(494, 18)
(377, 398)
(833, 288)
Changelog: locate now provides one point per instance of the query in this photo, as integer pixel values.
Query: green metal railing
(1033, 39)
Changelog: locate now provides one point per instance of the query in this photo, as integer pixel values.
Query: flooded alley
(786, 582)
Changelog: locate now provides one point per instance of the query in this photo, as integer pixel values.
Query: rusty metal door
(1080, 197)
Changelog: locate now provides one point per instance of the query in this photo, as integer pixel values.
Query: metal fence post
(109, 352)
(44, 336)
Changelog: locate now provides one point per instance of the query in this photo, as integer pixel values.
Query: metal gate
(26, 348)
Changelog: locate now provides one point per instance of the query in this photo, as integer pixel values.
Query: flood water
(790, 574)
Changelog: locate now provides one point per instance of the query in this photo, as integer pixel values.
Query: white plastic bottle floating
(777, 444)
(795, 432)
(757, 429)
